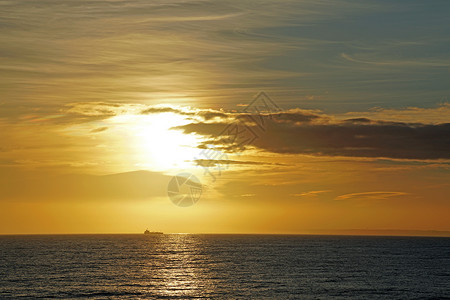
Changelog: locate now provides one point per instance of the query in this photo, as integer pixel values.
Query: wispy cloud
(310, 193)
(218, 53)
(370, 195)
(100, 129)
(430, 115)
(399, 62)
(208, 163)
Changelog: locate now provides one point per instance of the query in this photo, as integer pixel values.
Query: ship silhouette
(152, 232)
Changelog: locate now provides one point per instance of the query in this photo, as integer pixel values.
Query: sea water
(179, 266)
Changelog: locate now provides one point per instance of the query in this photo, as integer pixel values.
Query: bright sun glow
(154, 145)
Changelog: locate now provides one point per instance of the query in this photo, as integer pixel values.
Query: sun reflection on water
(181, 265)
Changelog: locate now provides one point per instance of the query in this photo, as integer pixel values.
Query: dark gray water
(224, 266)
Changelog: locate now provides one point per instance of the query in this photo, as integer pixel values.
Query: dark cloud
(297, 116)
(358, 120)
(210, 114)
(156, 110)
(301, 132)
(224, 162)
(206, 114)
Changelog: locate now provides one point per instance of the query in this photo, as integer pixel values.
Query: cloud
(444, 63)
(208, 52)
(208, 163)
(360, 140)
(165, 109)
(100, 129)
(304, 132)
(432, 115)
(295, 116)
(370, 195)
(310, 193)
(99, 109)
(204, 114)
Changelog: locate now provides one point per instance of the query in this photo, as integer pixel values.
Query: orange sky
(102, 168)
(102, 105)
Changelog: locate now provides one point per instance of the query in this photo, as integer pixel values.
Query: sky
(342, 108)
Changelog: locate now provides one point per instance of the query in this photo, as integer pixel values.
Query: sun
(154, 143)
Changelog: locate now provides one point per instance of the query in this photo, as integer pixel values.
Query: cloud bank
(304, 132)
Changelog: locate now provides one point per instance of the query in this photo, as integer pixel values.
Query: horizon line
(344, 232)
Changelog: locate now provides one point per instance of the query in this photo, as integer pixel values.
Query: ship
(152, 232)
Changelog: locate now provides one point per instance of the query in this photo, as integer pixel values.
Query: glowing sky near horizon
(101, 102)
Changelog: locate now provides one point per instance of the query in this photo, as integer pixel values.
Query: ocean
(190, 266)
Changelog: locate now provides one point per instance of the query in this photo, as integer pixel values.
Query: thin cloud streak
(370, 195)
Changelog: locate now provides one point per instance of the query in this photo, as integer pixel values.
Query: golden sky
(103, 102)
